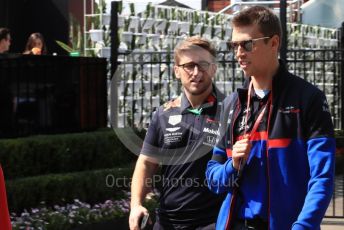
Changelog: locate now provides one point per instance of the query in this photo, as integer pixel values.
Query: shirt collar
(278, 81)
(208, 103)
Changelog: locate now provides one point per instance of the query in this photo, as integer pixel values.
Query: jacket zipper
(267, 156)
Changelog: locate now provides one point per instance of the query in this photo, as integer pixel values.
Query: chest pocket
(287, 123)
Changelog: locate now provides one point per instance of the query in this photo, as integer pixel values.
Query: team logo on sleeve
(174, 119)
(289, 109)
(325, 106)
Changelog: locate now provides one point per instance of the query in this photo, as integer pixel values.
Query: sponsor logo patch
(289, 109)
(325, 106)
(211, 131)
(210, 141)
(174, 119)
(170, 138)
(173, 129)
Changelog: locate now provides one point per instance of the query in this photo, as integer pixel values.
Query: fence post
(114, 36)
(283, 18)
(113, 60)
(342, 74)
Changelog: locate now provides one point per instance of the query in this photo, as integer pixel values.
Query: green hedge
(46, 154)
(89, 186)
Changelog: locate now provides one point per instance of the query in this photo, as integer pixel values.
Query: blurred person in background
(5, 40)
(35, 45)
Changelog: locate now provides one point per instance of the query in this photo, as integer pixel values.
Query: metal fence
(336, 207)
(323, 68)
(145, 80)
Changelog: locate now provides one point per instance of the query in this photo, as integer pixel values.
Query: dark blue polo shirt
(182, 140)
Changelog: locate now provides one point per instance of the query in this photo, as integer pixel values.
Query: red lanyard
(255, 125)
(260, 116)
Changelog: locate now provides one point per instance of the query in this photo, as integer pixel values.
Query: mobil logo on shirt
(211, 131)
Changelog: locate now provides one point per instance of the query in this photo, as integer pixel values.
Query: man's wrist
(234, 165)
(135, 204)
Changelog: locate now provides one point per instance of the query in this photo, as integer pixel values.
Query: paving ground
(332, 224)
(336, 208)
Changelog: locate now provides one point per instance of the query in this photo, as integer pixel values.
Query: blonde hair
(193, 43)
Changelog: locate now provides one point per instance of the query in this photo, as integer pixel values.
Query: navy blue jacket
(299, 147)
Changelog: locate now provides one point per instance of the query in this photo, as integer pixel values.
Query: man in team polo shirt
(180, 138)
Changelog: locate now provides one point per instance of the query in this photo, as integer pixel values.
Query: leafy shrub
(46, 154)
(71, 215)
(80, 215)
(90, 186)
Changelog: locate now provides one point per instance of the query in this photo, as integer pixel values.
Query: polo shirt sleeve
(219, 151)
(151, 142)
(222, 149)
(220, 171)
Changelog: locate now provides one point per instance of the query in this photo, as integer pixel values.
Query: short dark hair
(4, 32)
(194, 43)
(268, 22)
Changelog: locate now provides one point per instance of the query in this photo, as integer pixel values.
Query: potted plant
(70, 50)
(96, 35)
(173, 27)
(184, 28)
(75, 37)
(160, 25)
(197, 29)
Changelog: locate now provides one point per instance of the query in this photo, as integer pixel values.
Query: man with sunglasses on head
(275, 138)
(180, 139)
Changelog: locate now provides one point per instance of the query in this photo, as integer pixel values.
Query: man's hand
(136, 214)
(145, 168)
(241, 150)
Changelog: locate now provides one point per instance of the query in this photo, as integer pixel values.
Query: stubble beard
(199, 90)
